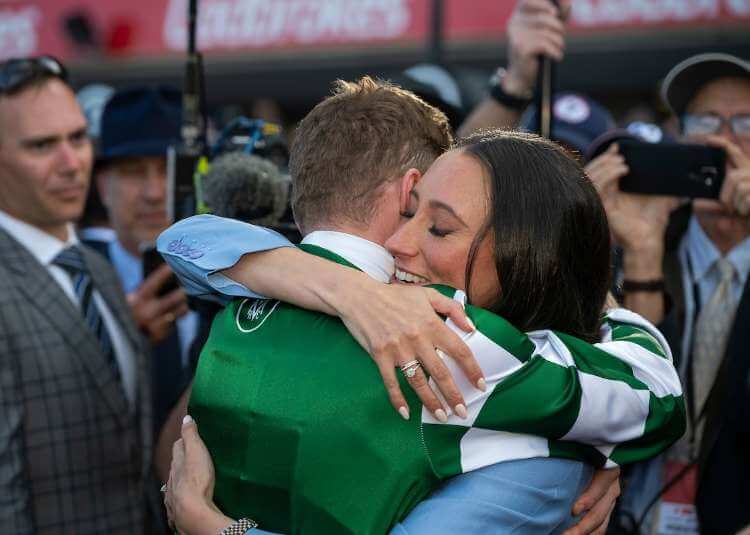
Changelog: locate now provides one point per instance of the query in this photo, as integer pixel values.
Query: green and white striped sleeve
(550, 394)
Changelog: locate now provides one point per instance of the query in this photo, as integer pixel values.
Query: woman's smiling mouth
(406, 277)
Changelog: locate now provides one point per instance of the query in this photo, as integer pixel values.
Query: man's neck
(724, 232)
(58, 230)
(366, 233)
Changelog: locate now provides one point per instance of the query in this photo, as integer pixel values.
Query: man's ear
(100, 182)
(408, 181)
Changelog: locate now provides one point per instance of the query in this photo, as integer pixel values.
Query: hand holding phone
(159, 300)
(152, 260)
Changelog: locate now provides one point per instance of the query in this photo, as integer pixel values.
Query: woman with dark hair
(510, 221)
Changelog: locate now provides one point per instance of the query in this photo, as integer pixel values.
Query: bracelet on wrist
(239, 527)
(650, 286)
(502, 97)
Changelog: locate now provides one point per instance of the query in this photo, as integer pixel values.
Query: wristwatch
(498, 93)
(239, 527)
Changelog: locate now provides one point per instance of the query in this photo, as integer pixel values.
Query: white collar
(703, 253)
(368, 256)
(43, 246)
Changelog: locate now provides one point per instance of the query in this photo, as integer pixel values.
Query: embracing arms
(221, 258)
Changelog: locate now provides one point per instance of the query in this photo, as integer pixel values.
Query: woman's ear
(408, 181)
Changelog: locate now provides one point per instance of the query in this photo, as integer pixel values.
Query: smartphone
(151, 261)
(677, 170)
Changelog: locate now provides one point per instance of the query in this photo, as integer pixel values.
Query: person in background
(536, 27)
(578, 121)
(687, 270)
(94, 228)
(137, 127)
(75, 386)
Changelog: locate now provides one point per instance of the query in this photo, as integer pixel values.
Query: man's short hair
(365, 135)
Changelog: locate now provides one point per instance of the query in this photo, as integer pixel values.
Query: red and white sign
(232, 24)
(147, 28)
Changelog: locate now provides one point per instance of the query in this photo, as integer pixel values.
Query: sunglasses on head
(16, 73)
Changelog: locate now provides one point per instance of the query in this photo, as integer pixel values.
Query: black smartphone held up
(151, 261)
(677, 170)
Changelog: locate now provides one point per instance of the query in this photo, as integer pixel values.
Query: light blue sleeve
(198, 247)
(525, 496)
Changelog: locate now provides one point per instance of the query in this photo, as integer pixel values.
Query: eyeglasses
(702, 124)
(16, 73)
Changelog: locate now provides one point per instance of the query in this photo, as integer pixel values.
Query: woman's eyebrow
(440, 205)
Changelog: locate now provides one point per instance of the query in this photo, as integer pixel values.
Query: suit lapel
(46, 295)
(730, 369)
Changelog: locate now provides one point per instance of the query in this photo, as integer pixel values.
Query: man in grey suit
(75, 400)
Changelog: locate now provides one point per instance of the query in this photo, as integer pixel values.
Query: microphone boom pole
(186, 162)
(545, 85)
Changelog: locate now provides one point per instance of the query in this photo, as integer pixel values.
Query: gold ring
(169, 317)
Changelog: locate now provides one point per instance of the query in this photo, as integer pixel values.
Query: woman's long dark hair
(551, 236)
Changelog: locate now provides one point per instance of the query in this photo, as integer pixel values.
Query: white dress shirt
(45, 247)
(368, 256)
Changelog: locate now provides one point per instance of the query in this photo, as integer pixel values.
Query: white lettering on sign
(260, 23)
(18, 32)
(604, 12)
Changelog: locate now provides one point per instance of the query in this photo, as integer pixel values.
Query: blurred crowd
(85, 435)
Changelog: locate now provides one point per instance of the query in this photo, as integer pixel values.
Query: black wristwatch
(498, 94)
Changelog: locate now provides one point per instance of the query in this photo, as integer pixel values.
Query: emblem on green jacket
(252, 313)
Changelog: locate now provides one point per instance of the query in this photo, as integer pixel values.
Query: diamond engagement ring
(410, 368)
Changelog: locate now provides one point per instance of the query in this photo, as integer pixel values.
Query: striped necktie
(72, 262)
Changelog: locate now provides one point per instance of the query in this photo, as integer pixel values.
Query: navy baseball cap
(637, 131)
(578, 120)
(141, 121)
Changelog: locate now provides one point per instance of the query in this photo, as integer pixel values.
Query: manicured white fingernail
(441, 416)
(460, 409)
(187, 419)
(404, 412)
(471, 324)
(482, 384)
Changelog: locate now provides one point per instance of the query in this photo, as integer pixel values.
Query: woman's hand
(190, 489)
(598, 501)
(398, 323)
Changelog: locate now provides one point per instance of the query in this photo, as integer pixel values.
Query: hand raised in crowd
(536, 28)
(636, 221)
(735, 193)
(155, 315)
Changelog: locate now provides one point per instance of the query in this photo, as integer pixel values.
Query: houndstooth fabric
(74, 458)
